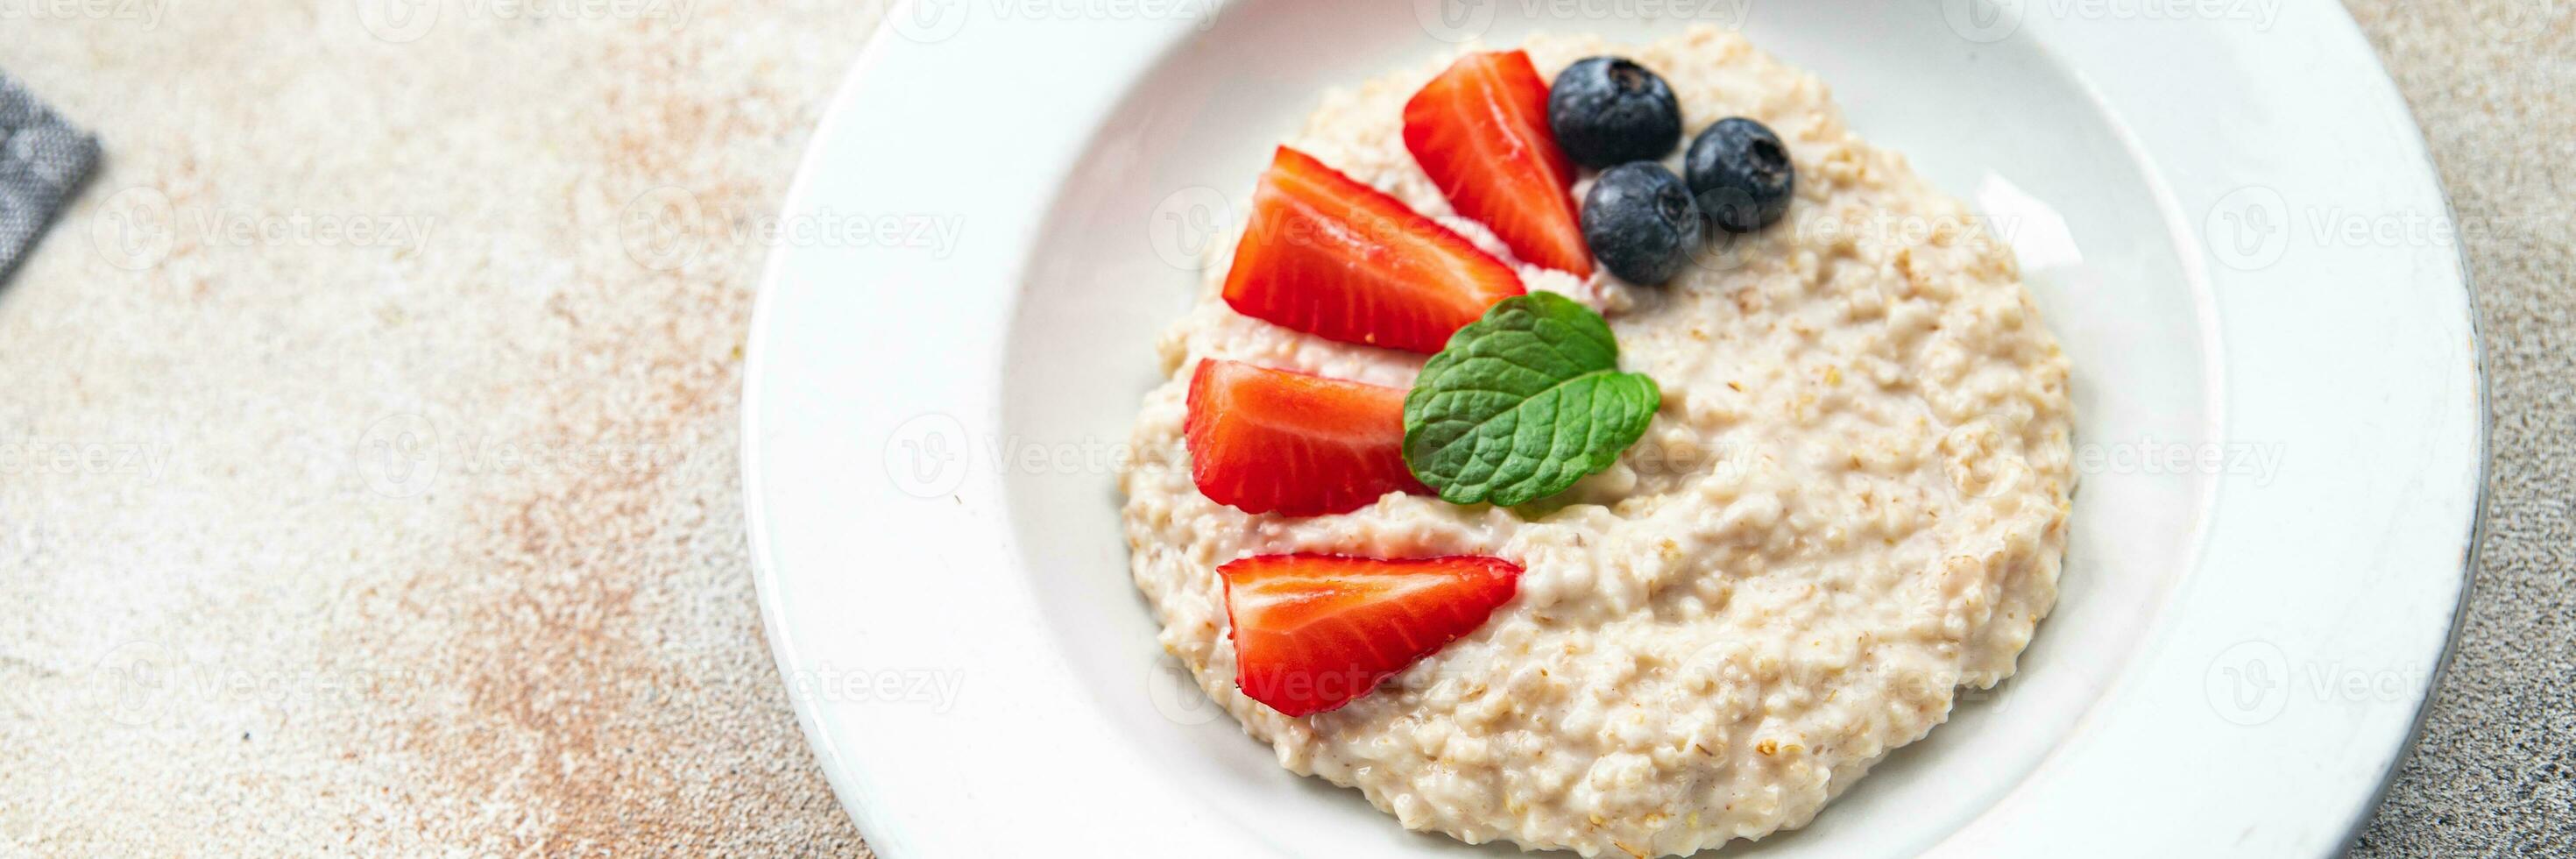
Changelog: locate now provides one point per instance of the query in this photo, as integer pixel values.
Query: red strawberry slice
(1328, 256)
(1313, 632)
(1480, 130)
(1274, 441)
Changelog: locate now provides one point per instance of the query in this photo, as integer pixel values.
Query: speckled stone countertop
(370, 482)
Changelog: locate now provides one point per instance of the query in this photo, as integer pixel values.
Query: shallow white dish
(2229, 222)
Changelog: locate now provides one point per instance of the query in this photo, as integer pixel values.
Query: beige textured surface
(232, 619)
(262, 633)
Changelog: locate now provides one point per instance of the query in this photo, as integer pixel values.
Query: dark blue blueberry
(1607, 110)
(1640, 222)
(1741, 174)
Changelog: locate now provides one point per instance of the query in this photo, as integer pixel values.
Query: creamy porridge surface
(1852, 503)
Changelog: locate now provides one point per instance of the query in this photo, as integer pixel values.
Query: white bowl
(2229, 222)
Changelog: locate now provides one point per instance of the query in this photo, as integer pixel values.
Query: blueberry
(1640, 222)
(1608, 110)
(1741, 174)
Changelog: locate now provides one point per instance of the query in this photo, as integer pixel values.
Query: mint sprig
(1522, 403)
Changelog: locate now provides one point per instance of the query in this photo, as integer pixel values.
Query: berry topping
(1274, 441)
(1480, 131)
(1609, 110)
(1328, 256)
(1641, 222)
(1314, 632)
(1741, 173)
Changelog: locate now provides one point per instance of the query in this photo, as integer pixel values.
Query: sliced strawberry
(1328, 256)
(1274, 441)
(1480, 130)
(1313, 632)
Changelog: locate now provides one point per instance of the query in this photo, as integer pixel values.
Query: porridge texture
(1851, 504)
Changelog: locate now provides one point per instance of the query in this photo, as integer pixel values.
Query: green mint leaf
(1522, 403)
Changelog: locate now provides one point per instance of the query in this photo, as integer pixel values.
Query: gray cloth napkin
(42, 158)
